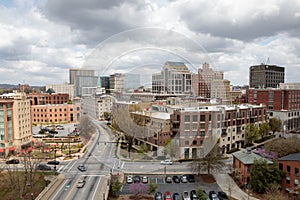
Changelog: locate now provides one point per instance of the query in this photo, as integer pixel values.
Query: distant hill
(7, 86)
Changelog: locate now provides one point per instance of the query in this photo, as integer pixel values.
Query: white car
(81, 182)
(129, 179)
(166, 162)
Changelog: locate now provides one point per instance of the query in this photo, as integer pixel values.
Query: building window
(280, 166)
(296, 171)
(202, 118)
(287, 180)
(187, 118)
(288, 169)
(195, 118)
(194, 142)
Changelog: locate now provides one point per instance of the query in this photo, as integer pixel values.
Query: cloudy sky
(41, 40)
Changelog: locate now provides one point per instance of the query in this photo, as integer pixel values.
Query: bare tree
(86, 128)
(273, 193)
(20, 180)
(213, 160)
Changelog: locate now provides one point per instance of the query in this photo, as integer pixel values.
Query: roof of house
(291, 157)
(248, 157)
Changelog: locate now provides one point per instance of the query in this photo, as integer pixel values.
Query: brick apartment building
(290, 164)
(46, 98)
(242, 165)
(197, 129)
(55, 113)
(282, 103)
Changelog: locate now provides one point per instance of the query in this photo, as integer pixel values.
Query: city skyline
(42, 40)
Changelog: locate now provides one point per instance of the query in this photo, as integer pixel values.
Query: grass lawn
(13, 186)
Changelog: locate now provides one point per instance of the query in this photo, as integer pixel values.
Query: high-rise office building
(206, 76)
(73, 72)
(175, 78)
(266, 76)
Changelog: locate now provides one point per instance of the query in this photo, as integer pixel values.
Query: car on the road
(193, 195)
(183, 179)
(81, 182)
(176, 196)
(158, 196)
(166, 162)
(168, 179)
(129, 179)
(167, 196)
(144, 179)
(13, 161)
(185, 195)
(190, 178)
(53, 162)
(213, 195)
(43, 166)
(81, 168)
(176, 179)
(222, 195)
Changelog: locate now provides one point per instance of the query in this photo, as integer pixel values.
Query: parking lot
(172, 187)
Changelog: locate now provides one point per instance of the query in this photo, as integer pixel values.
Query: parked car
(81, 168)
(168, 179)
(43, 166)
(168, 196)
(185, 195)
(145, 179)
(158, 196)
(81, 182)
(213, 195)
(13, 161)
(193, 195)
(53, 162)
(190, 178)
(222, 195)
(166, 162)
(176, 196)
(176, 179)
(136, 179)
(183, 179)
(129, 179)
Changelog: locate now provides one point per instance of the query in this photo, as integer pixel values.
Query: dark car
(53, 162)
(158, 196)
(176, 196)
(81, 168)
(136, 179)
(193, 195)
(13, 161)
(176, 179)
(222, 195)
(43, 166)
(191, 178)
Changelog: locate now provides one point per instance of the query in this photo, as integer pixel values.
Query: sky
(42, 39)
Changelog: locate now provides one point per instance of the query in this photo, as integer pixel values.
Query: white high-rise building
(64, 88)
(175, 78)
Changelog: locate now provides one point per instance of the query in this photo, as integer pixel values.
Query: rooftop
(291, 157)
(248, 157)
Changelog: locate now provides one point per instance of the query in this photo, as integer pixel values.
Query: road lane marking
(72, 166)
(97, 186)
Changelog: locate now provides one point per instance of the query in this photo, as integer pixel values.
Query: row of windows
(50, 115)
(46, 120)
(288, 169)
(50, 110)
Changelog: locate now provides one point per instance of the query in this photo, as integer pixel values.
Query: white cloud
(48, 37)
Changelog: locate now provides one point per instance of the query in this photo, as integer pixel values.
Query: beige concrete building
(64, 88)
(15, 124)
(220, 89)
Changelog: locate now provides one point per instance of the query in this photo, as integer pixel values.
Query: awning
(2, 150)
(12, 148)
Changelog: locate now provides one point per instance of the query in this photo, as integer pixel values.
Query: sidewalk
(226, 183)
